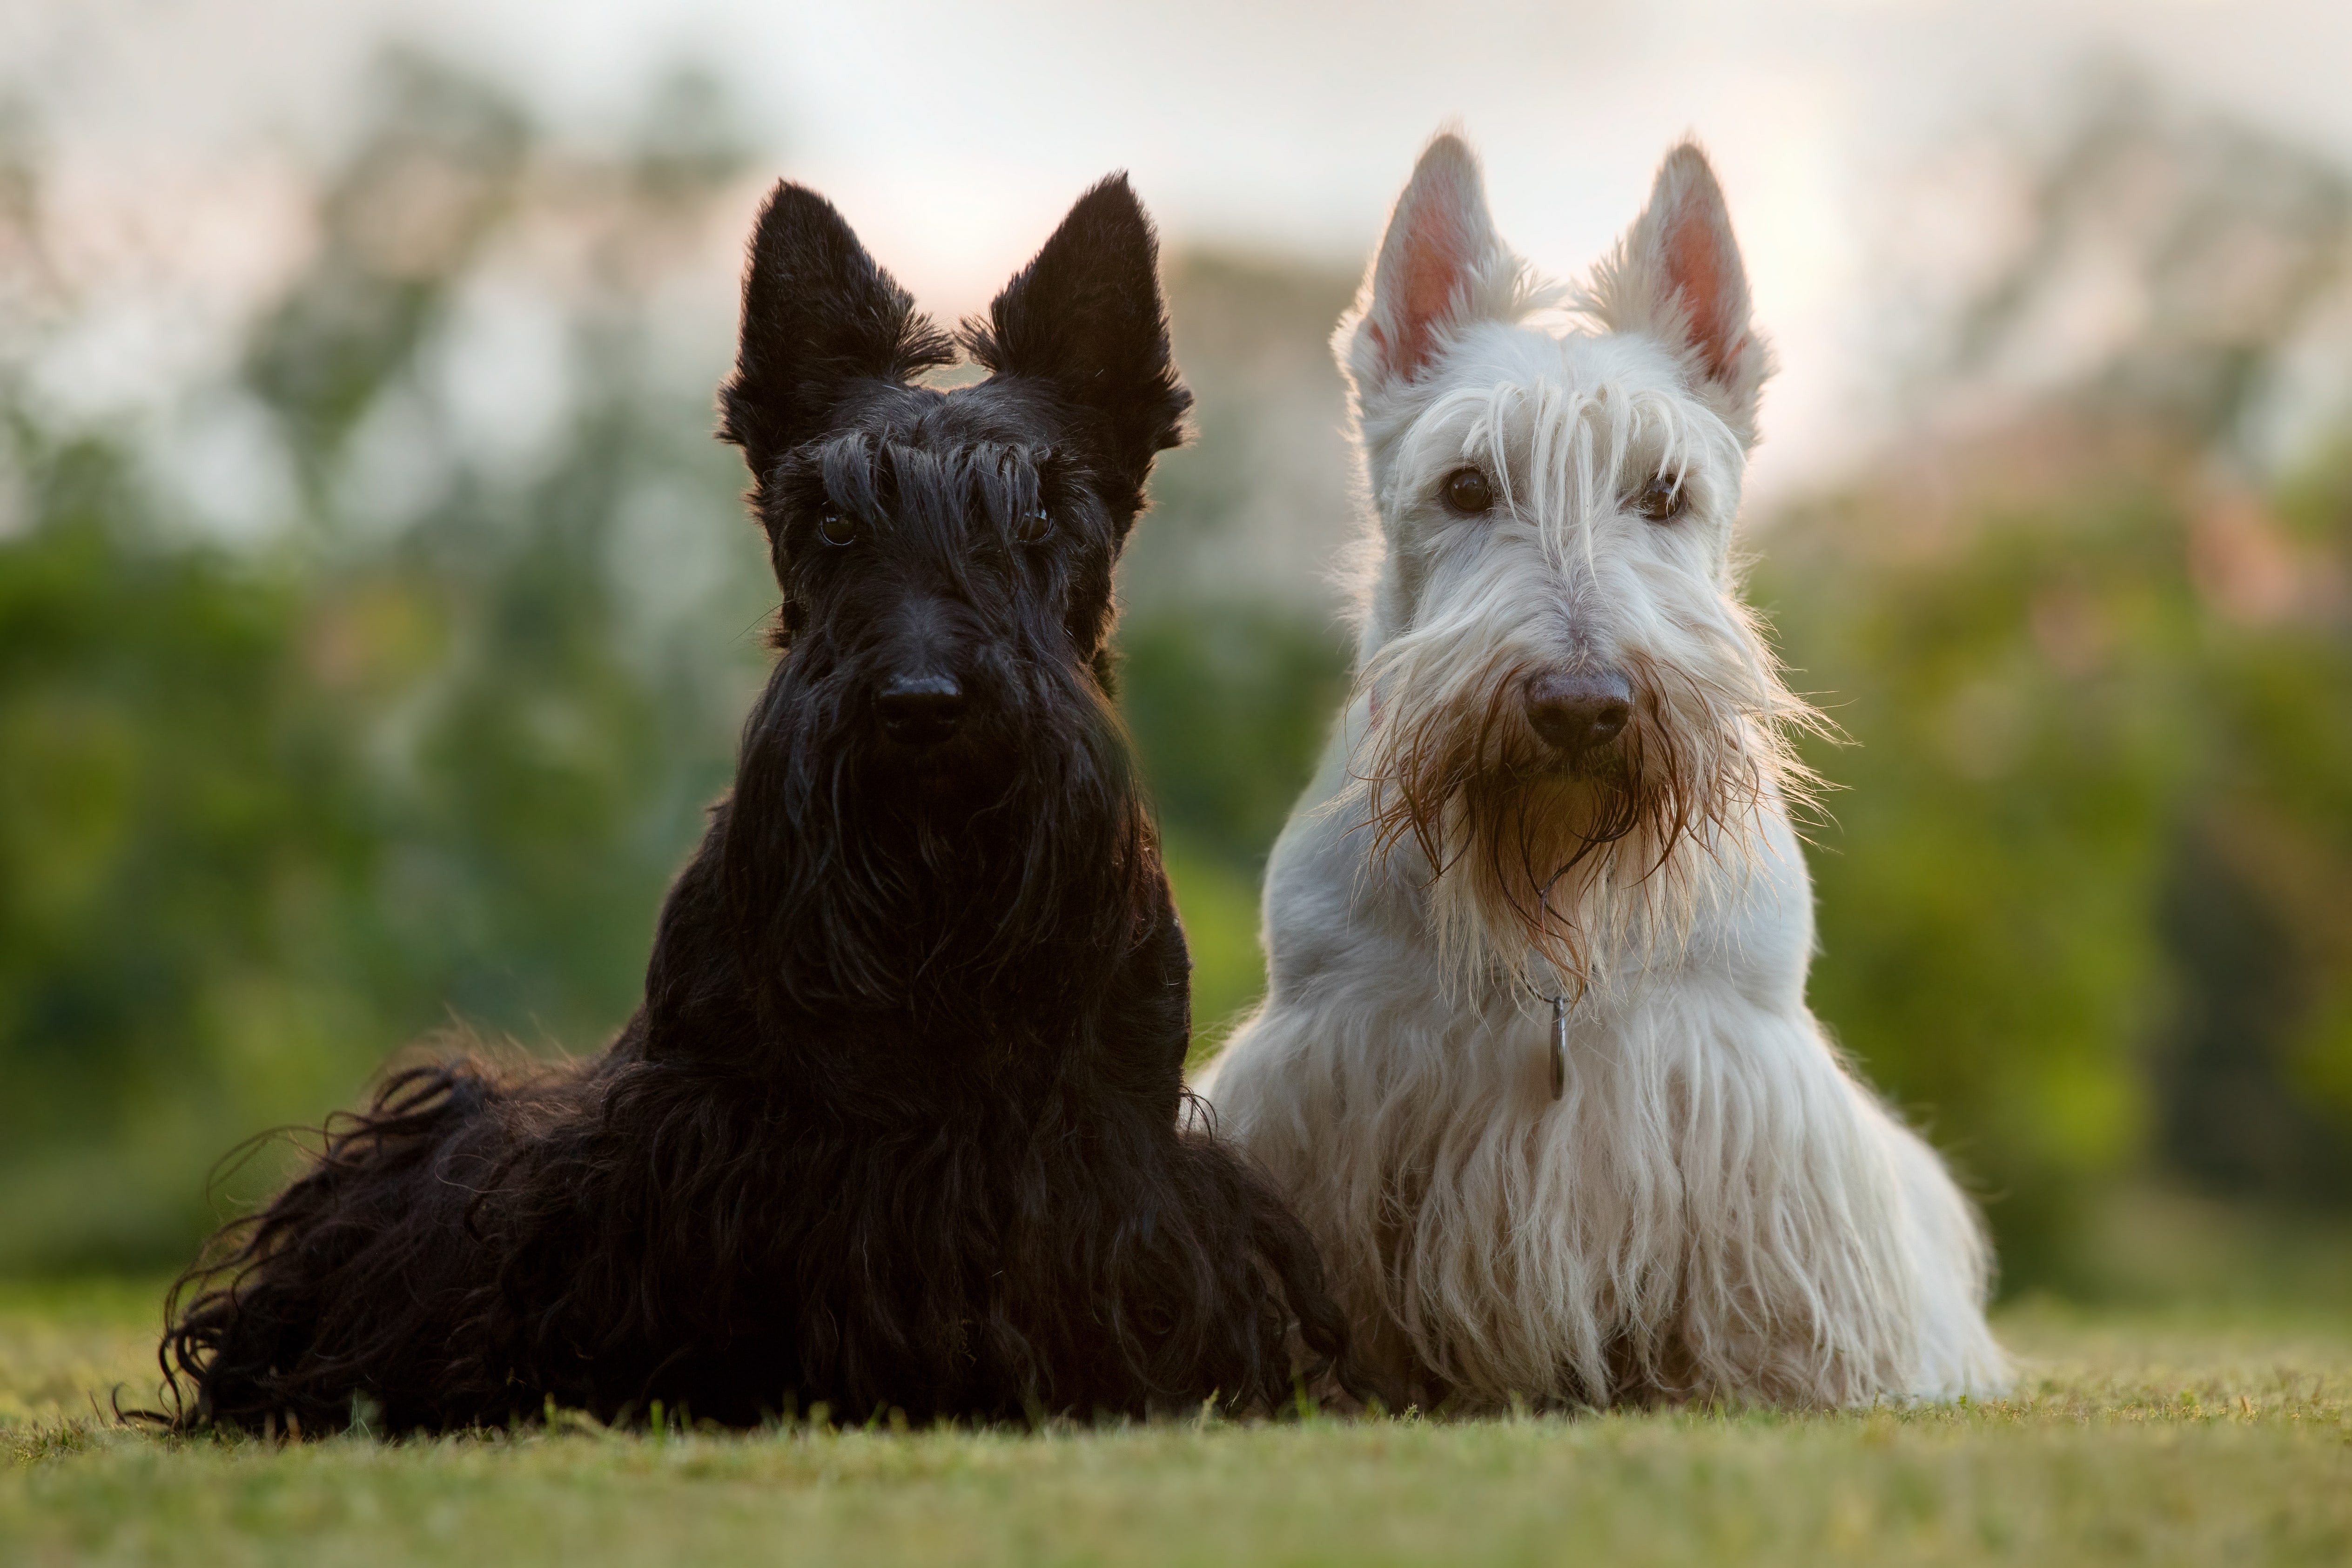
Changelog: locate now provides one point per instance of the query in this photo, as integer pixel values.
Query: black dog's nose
(1576, 712)
(920, 710)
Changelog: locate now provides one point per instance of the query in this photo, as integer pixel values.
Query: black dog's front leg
(1226, 1212)
(1147, 1015)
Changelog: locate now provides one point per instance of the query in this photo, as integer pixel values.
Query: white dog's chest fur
(1712, 1207)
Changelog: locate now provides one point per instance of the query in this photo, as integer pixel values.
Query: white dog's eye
(1660, 500)
(1468, 493)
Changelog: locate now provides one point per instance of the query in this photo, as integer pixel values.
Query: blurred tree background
(377, 689)
(422, 756)
(2084, 902)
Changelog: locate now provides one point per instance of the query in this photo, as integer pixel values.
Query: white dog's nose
(1576, 712)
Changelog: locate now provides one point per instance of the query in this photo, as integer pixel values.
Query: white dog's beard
(1552, 874)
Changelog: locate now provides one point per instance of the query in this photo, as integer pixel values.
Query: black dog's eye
(837, 527)
(1660, 500)
(1034, 526)
(1467, 492)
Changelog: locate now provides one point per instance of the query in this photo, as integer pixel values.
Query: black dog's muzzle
(920, 711)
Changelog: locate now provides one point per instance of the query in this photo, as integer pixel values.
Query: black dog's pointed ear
(817, 313)
(1086, 315)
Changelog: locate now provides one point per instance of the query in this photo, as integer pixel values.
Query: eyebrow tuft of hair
(1568, 445)
(926, 485)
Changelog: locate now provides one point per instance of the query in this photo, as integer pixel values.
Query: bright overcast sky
(952, 135)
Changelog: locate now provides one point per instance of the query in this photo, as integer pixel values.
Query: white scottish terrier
(1536, 1064)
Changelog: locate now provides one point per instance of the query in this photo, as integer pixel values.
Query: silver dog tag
(1558, 1047)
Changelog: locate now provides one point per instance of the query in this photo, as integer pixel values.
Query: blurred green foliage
(180, 839)
(2085, 893)
(269, 811)
(1229, 704)
(422, 754)
(2053, 737)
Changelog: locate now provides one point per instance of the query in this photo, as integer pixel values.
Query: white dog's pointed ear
(1678, 277)
(1437, 266)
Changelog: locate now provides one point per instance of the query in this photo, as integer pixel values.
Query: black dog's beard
(901, 879)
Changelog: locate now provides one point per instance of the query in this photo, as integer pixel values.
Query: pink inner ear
(1695, 258)
(1436, 255)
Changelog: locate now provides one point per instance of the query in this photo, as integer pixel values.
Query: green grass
(2135, 1438)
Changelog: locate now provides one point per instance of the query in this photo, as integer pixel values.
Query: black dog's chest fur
(897, 1122)
(896, 1210)
(1071, 1005)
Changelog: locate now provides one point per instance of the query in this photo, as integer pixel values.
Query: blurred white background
(1847, 131)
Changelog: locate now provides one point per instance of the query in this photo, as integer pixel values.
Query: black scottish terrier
(897, 1122)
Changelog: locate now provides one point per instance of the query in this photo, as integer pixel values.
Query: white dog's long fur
(1716, 1207)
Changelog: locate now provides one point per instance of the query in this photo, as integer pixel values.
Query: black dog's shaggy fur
(897, 1124)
